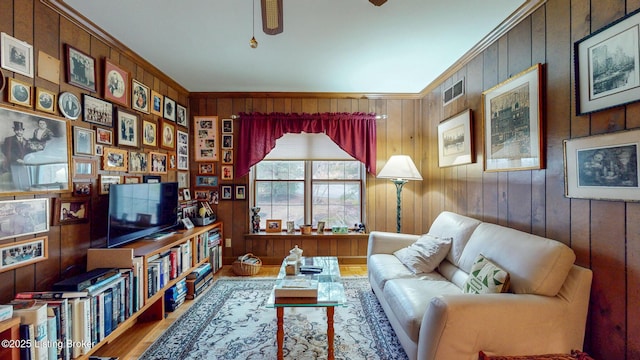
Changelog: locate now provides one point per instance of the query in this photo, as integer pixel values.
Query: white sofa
(544, 312)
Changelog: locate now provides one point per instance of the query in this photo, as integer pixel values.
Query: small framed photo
(168, 138)
(169, 112)
(17, 55)
(83, 141)
(70, 211)
(19, 93)
(106, 181)
(227, 126)
(455, 140)
(227, 156)
(183, 179)
(132, 179)
(227, 172)
(181, 115)
(182, 149)
(69, 105)
(81, 188)
(206, 169)
(81, 69)
(186, 194)
(188, 224)
(21, 253)
(45, 100)
(206, 181)
(206, 132)
(116, 83)
(172, 161)
(157, 103)
(115, 159)
(227, 192)
(104, 136)
(241, 192)
(149, 133)
(202, 195)
(84, 168)
(274, 226)
(127, 129)
(151, 179)
(138, 162)
(16, 212)
(227, 141)
(99, 150)
(158, 163)
(140, 94)
(97, 111)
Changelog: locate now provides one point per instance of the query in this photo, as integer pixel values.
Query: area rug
(232, 321)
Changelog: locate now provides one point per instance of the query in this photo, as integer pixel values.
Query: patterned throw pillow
(486, 277)
(424, 255)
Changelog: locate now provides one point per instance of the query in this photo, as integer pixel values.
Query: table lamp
(400, 169)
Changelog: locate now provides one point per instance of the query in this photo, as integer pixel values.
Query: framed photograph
(81, 188)
(274, 226)
(206, 181)
(206, 169)
(157, 103)
(169, 112)
(227, 192)
(99, 150)
(140, 94)
(104, 136)
(69, 105)
(84, 168)
(172, 162)
(19, 93)
(188, 224)
(603, 167)
(116, 83)
(190, 211)
(106, 181)
(227, 141)
(607, 66)
(23, 217)
(138, 162)
(81, 69)
(241, 192)
(132, 179)
(83, 141)
(70, 211)
(168, 138)
(206, 131)
(21, 253)
(115, 159)
(186, 194)
(158, 163)
(455, 140)
(151, 179)
(227, 172)
(149, 133)
(227, 126)
(45, 100)
(183, 179)
(512, 113)
(127, 129)
(17, 55)
(227, 156)
(97, 111)
(3, 82)
(182, 149)
(181, 115)
(202, 195)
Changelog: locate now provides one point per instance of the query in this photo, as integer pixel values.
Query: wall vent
(453, 92)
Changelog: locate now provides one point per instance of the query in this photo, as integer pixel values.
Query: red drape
(355, 133)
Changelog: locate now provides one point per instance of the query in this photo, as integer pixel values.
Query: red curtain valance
(355, 133)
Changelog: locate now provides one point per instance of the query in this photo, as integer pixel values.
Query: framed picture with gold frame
(149, 133)
(132, 179)
(115, 159)
(157, 103)
(158, 163)
(138, 162)
(84, 167)
(106, 181)
(273, 226)
(45, 100)
(19, 93)
(21, 253)
(167, 135)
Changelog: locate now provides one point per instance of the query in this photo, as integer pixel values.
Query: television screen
(139, 210)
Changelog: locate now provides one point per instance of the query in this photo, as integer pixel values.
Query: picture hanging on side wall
(116, 83)
(206, 132)
(21, 253)
(455, 140)
(17, 55)
(81, 69)
(24, 217)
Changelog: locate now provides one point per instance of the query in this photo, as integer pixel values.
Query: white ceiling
(327, 45)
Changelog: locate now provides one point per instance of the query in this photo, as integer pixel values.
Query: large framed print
(607, 66)
(97, 111)
(17, 55)
(127, 129)
(206, 131)
(140, 94)
(603, 167)
(182, 149)
(23, 217)
(116, 83)
(455, 140)
(35, 152)
(21, 253)
(81, 69)
(512, 114)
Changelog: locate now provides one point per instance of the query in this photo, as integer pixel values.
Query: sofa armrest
(459, 326)
(381, 242)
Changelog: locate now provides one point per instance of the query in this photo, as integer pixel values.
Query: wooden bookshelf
(10, 330)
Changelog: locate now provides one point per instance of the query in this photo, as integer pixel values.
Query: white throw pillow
(424, 255)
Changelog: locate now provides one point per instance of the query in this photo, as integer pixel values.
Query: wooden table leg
(280, 333)
(330, 332)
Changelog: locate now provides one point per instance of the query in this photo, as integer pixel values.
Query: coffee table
(330, 294)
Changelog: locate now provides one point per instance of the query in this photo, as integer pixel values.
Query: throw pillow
(486, 277)
(424, 255)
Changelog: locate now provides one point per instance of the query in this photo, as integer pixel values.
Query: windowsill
(314, 234)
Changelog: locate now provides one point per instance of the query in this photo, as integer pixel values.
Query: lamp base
(399, 184)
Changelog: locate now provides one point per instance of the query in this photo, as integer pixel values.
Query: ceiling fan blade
(377, 2)
(271, 16)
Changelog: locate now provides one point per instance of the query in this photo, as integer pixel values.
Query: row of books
(175, 295)
(199, 280)
(162, 268)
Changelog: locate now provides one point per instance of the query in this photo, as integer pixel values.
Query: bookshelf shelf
(10, 330)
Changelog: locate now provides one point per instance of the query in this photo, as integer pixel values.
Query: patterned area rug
(232, 321)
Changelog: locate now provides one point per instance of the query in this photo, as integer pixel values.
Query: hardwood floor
(137, 339)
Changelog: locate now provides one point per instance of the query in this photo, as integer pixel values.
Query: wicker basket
(247, 265)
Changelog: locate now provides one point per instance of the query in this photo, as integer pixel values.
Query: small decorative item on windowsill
(255, 220)
(247, 265)
(321, 227)
(305, 229)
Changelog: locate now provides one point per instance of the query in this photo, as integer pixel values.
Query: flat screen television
(140, 210)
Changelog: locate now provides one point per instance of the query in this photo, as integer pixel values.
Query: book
(50, 295)
(200, 271)
(52, 335)
(26, 333)
(83, 281)
(33, 313)
(296, 287)
(6, 312)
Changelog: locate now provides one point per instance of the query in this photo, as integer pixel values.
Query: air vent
(453, 92)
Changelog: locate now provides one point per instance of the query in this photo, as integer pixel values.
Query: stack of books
(296, 289)
(175, 295)
(199, 280)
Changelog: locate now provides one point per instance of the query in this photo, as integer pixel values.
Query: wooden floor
(136, 340)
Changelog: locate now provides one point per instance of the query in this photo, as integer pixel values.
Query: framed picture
(455, 140)
(205, 181)
(181, 115)
(97, 111)
(241, 192)
(182, 149)
(19, 93)
(169, 112)
(168, 138)
(227, 192)
(48, 67)
(172, 161)
(104, 136)
(69, 105)
(132, 179)
(227, 126)
(127, 129)
(206, 131)
(140, 96)
(99, 150)
(116, 83)
(183, 179)
(158, 163)
(3, 82)
(227, 141)
(70, 211)
(21, 253)
(157, 103)
(83, 141)
(227, 172)
(607, 66)
(188, 224)
(206, 169)
(603, 167)
(149, 133)
(45, 100)
(106, 181)
(512, 113)
(151, 179)
(81, 69)
(186, 194)
(274, 226)
(202, 195)
(23, 217)
(17, 55)
(81, 188)
(227, 156)
(138, 162)
(115, 159)
(84, 168)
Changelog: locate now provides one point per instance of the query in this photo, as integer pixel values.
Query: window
(308, 191)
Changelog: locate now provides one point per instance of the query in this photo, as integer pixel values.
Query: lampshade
(400, 167)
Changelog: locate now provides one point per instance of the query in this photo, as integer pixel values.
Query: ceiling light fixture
(253, 42)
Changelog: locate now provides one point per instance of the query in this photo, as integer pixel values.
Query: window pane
(336, 203)
(336, 170)
(280, 170)
(280, 200)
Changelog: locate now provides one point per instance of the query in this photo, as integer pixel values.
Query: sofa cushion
(424, 255)
(383, 267)
(486, 277)
(457, 227)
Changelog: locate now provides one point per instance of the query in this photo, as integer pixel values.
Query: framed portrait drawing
(45, 100)
(17, 55)
(97, 111)
(138, 162)
(84, 168)
(512, 114)
(69, 105)
(106, 181)
(455, 140)
(104, 136)
(168, 135)
(607, 68)
(227, 126)
(140, 94)
(158, 163)
(116, 83)
(83, 141)
(182, 149)
(19, 93)
(149, 133)
(227, 192)
(81, 188)
(115, 159)
(70, 211)
(603, 167)
(169, 112)
(183, 179)
(181, 115)
(25, 252)
(24, 217)
(206, 132)
(157, 103)
(127, 129)
(81, 69)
